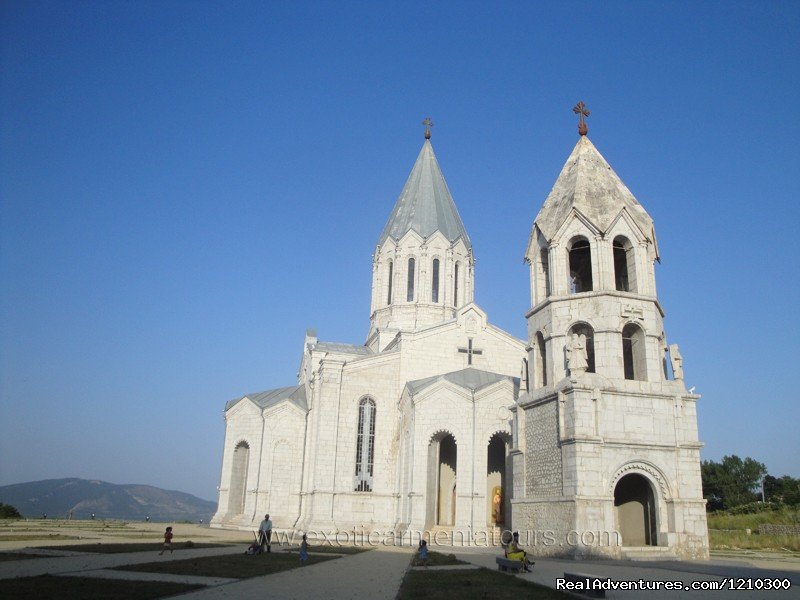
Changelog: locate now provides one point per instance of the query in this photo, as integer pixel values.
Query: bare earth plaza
(441, 427)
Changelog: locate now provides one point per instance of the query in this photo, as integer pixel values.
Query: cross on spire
(470, 351)
(581, 110)
(428, 124)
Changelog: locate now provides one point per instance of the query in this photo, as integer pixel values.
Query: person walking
(265, 533)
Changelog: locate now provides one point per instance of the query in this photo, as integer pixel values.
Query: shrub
(9, 512)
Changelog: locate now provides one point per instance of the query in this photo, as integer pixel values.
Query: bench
(505, 564)
(587, 579)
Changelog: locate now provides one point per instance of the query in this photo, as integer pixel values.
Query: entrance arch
(635, 510)
(442, 480)
(496, 480)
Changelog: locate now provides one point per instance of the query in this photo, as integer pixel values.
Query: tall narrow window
(540, 369)
(624, 266)
(545, 258)
(391, 281)
(455, 284)
(580, 266)
(435, 281)
(410, 291)
(634, 360)
(365, 445)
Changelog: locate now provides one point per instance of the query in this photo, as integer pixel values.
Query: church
(582, 437)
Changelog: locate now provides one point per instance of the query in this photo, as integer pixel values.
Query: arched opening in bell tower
(624, 271)
(580, 266)
(634, 360)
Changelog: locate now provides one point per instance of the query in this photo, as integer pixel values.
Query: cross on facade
(428, 124)
(581, 110)
(470, 351)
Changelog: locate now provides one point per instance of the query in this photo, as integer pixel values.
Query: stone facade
(591, 451)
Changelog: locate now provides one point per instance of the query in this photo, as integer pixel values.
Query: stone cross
(428, 124)
(581, 110)
(470, 351)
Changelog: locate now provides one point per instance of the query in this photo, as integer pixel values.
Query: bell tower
(608, 432)
(423, 268)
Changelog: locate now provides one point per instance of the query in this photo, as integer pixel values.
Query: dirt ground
(22, 533)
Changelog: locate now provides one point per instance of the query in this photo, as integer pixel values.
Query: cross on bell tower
(470, 351)
(581, 110)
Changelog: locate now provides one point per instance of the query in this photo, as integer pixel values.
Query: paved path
(376, 575)
(547, 571)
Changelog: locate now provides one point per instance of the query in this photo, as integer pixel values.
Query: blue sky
(185, 187)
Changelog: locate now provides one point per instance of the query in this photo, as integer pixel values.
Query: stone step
(645, 553)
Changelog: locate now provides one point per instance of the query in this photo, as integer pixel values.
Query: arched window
(410, 290)
(634, 359)
(391, 280)
(580, 266)
(541, 361)
(585, 330)
(239, 465)
(456, 273)
(624, 271)
(435, 281)
(365, 445)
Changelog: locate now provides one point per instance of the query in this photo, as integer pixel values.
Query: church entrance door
(634, 505)
(442, 482)
(496, 480)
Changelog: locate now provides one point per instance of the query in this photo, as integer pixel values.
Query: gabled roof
(425, 204)
(295, 394)
(469, 378)
(589, 184)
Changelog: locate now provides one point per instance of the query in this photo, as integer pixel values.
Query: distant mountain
(57, 497)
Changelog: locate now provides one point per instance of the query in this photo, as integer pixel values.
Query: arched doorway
(635, 511)
(442, 481)
(496, 481)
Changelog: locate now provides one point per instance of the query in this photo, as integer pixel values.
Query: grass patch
(472, 585)
(726, 520)
(100, 548)
(331, 549)
(438, 559)
(31, 537)
(236, 566)
(6, 556)
(739, 540)
(89, 588)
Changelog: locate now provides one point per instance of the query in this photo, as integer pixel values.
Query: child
(167, 541)
(304, 550)
(423, 553)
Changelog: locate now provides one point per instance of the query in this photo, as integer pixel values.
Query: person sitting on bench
(514, 552)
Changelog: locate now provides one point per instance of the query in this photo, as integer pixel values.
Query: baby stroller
(255, 547)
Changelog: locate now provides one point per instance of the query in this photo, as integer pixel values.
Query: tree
(731, 482)
(784, 489)
(9, 512)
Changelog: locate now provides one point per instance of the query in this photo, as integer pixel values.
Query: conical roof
(425, 204)
(589, 184)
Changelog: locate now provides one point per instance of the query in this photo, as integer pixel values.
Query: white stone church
(582, 437)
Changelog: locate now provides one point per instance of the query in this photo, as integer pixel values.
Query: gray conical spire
(425, 204)
(589, 184)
